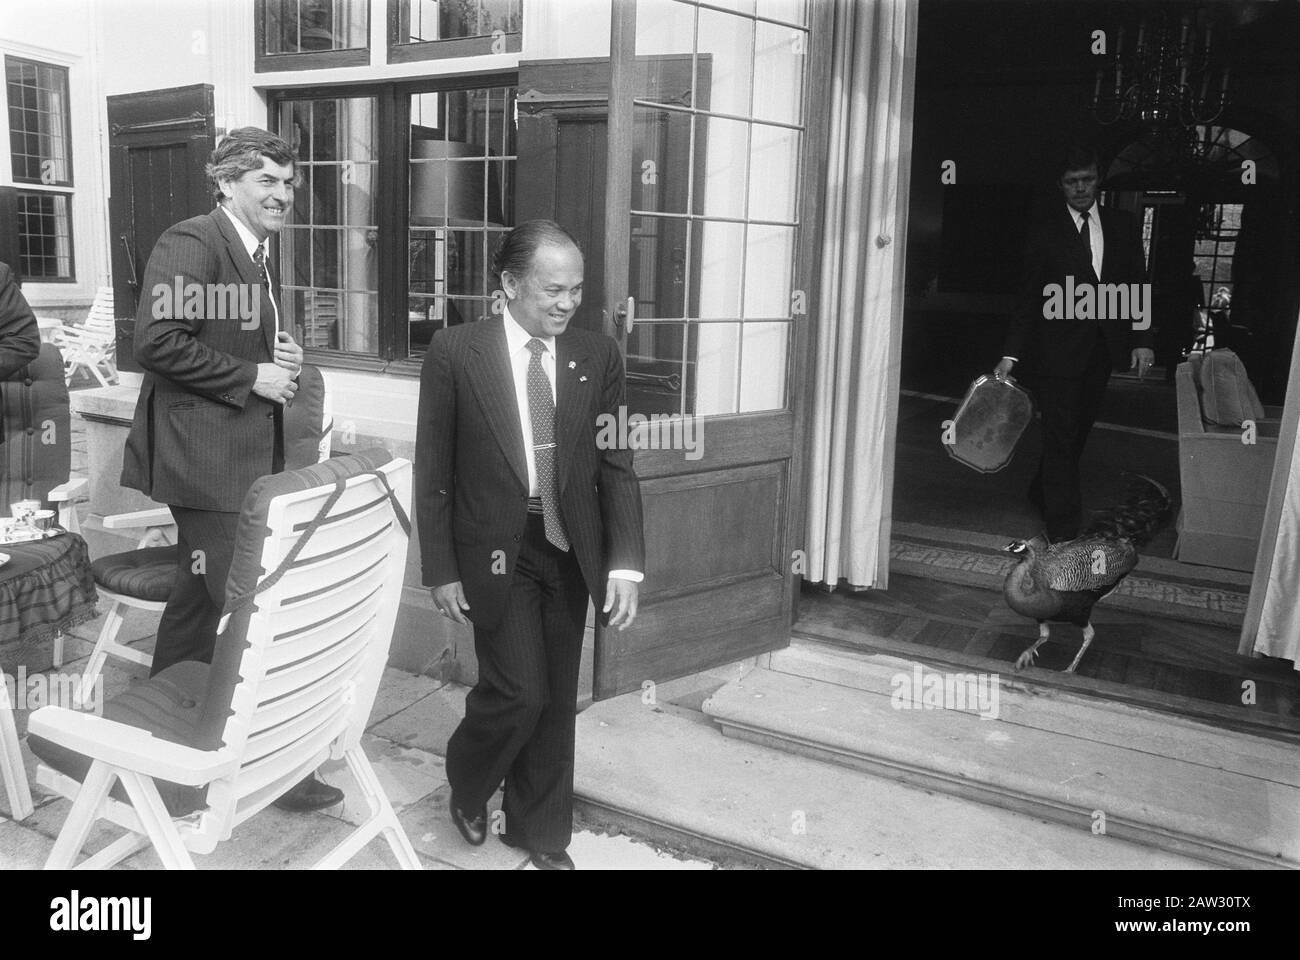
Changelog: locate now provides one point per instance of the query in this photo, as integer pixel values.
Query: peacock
(1060, 582)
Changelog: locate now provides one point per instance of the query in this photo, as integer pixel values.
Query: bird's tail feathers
(1144, 511)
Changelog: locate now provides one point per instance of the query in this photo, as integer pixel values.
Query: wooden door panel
(711, 528)
(686, 634)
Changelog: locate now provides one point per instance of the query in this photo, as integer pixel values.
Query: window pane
(461, 171)
(774, 173)
(44, 235)
(311, 26)
(329, 252)
(718, 353)
(763, 349)
(725, 64)
(724, 145)
(657, 267)
(789, 11)
(769, 253)
(424, 20)
(660, 377)
(660, 146)
(779, 57)
(39, 129)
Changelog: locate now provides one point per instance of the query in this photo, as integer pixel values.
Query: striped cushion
(168, 706)
(146, 574)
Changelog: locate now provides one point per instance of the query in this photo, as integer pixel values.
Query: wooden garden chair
(91, 346)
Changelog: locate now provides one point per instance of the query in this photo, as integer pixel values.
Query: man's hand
(287, 353)
(1003, 369)
(620, 596)
(274, 383)
(1143, 357)
(450, 601)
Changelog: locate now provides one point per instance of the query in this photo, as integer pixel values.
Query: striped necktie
(541, 411)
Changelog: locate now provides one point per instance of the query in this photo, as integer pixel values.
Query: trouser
(1069, 407)
(205, 541)
(519, 718)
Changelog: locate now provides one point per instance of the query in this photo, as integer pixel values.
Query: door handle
(625, 314)
(130, 260)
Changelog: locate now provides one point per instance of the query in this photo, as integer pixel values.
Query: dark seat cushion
(168, 706)
(146, 574)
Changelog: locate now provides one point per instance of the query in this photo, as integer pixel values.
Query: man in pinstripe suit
(218, 372)
(522, 519)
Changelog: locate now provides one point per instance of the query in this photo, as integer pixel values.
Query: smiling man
(523, 517)
(209, 420)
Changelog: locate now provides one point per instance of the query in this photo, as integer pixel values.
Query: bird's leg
(1027, 658)
(1088, 634)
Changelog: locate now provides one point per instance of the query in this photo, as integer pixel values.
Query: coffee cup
(23, 509)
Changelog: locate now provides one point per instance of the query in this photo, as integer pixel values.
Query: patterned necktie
(259, 260)
(541, 411)
(1085, 239)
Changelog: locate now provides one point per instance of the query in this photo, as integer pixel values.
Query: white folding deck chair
(313, 594)
(142, 578)
(11, 762)
(92, 345)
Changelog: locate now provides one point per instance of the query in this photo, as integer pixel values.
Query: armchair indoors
(1225, 482)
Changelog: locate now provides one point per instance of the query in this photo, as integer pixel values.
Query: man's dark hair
(242, 150)
(1077, 156)
(515, 251)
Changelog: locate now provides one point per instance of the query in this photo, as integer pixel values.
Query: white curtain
(860, 314)
(1272, 622)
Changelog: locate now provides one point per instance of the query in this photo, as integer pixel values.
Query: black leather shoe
(552, 861)
(472, 827)
(309, 794)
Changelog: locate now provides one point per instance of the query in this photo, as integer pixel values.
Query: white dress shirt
(520, 356)
(251, 243)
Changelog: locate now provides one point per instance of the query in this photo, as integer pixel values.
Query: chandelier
(1169, 76)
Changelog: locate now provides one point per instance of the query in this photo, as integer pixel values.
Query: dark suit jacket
(1053, 251)
(471, 476)
(20, 336)
(200, 436)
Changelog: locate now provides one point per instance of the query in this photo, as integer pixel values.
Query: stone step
(1185, 788)
(1061, 711)
(667, 774)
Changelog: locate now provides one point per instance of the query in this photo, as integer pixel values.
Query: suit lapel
(571, 380)
(493, 384)
(248, 273)
(1082, 264)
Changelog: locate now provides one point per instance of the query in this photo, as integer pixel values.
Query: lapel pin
(582, 379)
(572, 364)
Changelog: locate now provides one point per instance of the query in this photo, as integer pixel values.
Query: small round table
(46, 588)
